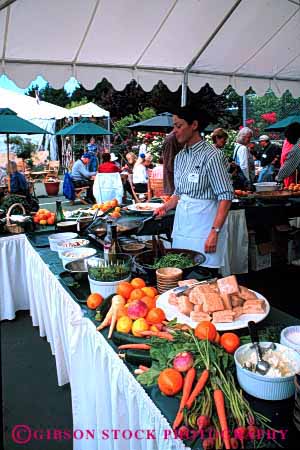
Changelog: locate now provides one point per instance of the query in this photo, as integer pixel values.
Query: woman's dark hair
(191, 113)
(161, 159)
(105, 157)
(292, 132)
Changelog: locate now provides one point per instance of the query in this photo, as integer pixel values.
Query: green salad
(179, 260)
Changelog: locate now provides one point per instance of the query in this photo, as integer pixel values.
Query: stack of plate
(167, 278)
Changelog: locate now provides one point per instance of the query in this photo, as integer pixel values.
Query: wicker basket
(14, 227)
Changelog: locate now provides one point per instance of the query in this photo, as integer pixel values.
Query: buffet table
(105, 395)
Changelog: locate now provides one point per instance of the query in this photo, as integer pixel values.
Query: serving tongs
(181, 289)
(262, 366)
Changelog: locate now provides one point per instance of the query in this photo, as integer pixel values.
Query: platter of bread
(226, 304)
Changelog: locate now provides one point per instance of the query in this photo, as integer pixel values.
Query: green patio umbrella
(84, 127)
(282, 124)
(161, 122)
(10, 123)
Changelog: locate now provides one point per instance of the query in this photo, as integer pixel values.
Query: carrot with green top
(187, 387)
(200, 385)
(159, 334)
(220, 407)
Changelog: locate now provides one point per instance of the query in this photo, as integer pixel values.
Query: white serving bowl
(72, 254)
(290, 337)
(71, 244)
(266, 186)
(264, 386)
(56, 238)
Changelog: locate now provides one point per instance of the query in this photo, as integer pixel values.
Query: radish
(208, 443)
(234, 443)
(203, 422)
(241, 434)
(183, 361)
(252, 432)
(183, 432)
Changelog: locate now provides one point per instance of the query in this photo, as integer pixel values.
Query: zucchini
(137, 357)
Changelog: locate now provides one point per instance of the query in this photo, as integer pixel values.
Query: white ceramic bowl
(266, 186)
(76, 253)
(56, 238)
(71, 244)
(264, 386)
(290, 336)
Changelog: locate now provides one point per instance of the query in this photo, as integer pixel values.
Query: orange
(230, 342)
(51, 220)
(170, 381)
(149, 291)
(94, 300)
(149, 301)
(138, 283)
(124, 289)
(155, 315)
(36, 219)
(136, 294)
(217, 338)
(138, 326)
(205, 330)
(124, 324)
(117, 209)
(114, 202)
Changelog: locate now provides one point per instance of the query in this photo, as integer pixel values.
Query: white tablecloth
(105, 396)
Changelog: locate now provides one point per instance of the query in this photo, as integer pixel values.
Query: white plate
(144, 207)
(242, 322)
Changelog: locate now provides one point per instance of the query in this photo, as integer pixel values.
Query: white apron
(192, 225)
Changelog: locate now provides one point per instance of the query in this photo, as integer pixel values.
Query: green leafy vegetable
(178, 260)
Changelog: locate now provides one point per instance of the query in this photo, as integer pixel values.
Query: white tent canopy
(88, 110)
(41, 113)
(239, 42)
(29, 108)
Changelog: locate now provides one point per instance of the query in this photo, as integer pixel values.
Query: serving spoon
(180, 289)
(262, 366)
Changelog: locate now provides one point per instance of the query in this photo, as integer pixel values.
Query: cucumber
(126, 338)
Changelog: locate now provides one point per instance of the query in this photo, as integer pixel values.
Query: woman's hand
(161, 211)
(211, 242)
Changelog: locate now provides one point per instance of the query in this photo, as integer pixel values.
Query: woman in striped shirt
(203, 191)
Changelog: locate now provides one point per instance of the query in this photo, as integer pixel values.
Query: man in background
(170, 148)
(269, 157)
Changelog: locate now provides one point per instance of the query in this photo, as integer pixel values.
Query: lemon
(138, 326)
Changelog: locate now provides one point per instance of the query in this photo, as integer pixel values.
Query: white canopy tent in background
(42, 114)
(181, 42)
(92, 110)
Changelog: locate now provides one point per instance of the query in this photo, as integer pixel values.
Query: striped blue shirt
(200, 172)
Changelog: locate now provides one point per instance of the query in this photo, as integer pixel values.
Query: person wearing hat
(108, 164)
(269, 157)
(82, 177)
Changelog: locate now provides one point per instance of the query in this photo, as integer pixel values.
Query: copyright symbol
(21, 434)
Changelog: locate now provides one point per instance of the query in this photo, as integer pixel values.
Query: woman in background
(139, 175)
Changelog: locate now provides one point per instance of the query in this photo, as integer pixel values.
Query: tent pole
(108, 127)
(244, 109)
(8, 165)
(184, 88)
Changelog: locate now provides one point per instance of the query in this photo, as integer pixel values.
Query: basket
(14, 227)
